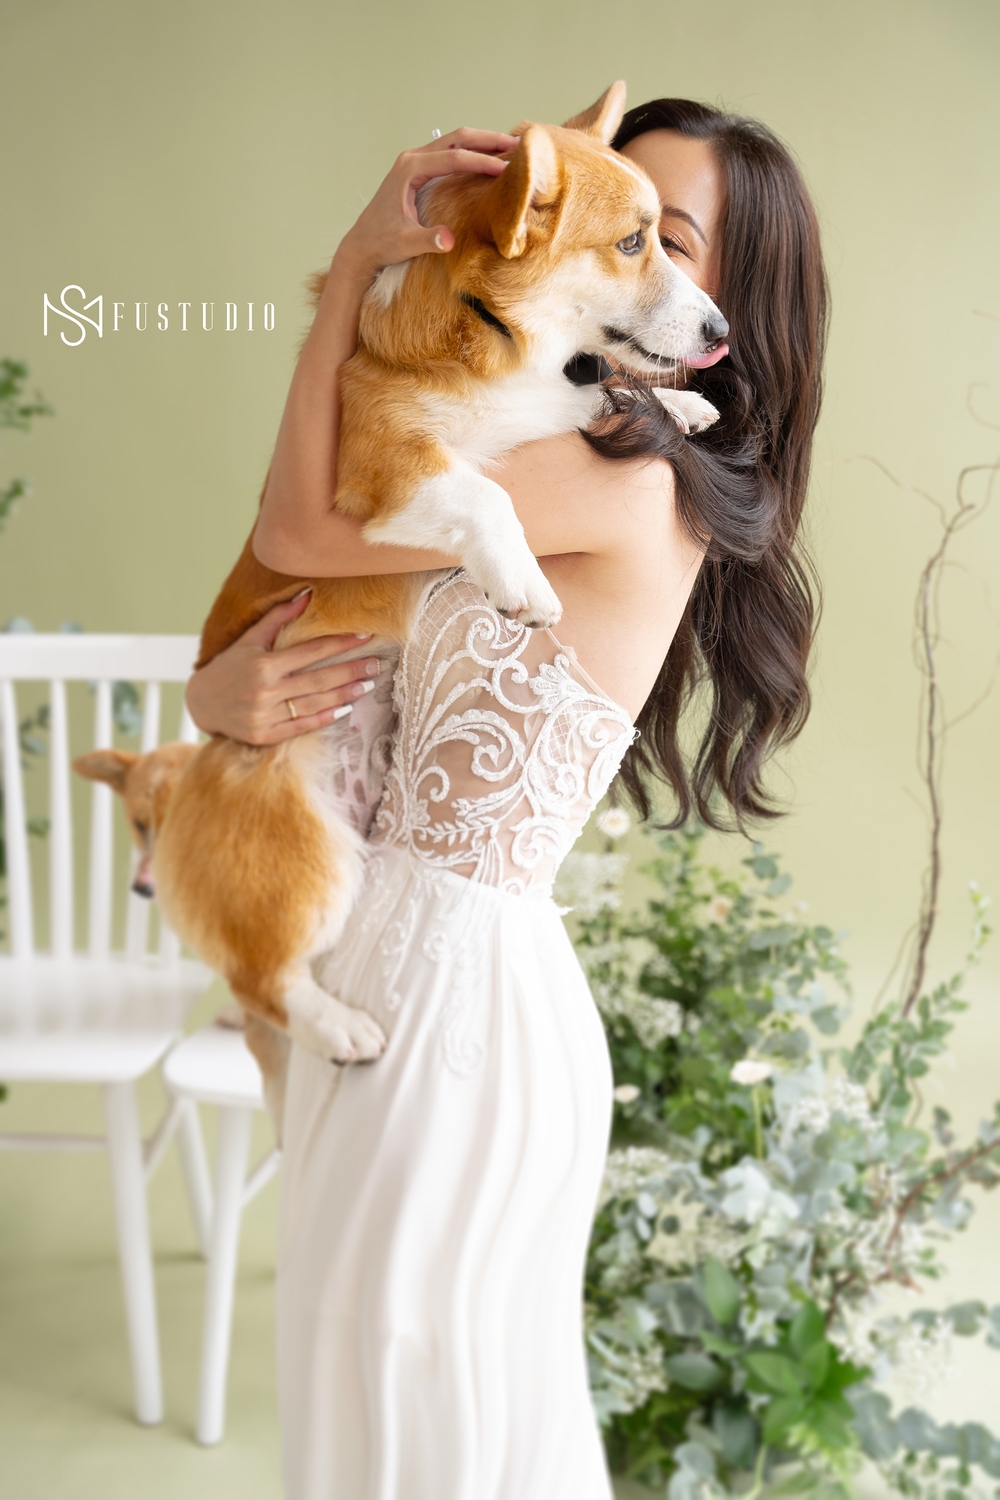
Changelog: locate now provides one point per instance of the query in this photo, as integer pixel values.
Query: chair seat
(215, 1066)
(84, 1020)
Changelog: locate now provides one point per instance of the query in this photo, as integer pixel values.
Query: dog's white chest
(501, 415)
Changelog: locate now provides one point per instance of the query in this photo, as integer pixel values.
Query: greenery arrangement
(767, 1179)
(18, 411)
(763, 1183)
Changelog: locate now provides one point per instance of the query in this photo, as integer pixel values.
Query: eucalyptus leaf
(737, 1433)
(722, 1291)
(966, 1318)
(873, 1422)
(697, 1458)
(694, 1371)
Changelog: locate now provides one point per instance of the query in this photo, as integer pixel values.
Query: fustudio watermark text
(248, 317)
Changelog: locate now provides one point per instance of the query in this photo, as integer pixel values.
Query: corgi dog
(256, 854)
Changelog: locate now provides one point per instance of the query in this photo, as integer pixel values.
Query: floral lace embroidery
(356, 754)
(503, 746)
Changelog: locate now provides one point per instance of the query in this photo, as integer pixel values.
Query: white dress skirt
(436, 1204)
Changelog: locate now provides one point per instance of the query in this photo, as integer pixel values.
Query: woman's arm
(567, 498)
(298, 496)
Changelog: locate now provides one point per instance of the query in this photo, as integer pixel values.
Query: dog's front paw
(530, 602)
(691, 412)
(337, 1032)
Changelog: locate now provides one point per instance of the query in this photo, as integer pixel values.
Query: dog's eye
(632, 243)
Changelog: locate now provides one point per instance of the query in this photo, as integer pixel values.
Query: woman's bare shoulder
(569, 498)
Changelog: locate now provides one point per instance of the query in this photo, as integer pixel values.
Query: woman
(436, 1204)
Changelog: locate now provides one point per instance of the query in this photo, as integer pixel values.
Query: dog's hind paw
(337, 1032)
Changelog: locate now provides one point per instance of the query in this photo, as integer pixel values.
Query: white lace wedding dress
(436, 1204)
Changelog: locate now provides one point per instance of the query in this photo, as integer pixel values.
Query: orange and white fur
(460, 359)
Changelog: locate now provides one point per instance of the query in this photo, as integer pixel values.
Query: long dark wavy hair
(746, 633)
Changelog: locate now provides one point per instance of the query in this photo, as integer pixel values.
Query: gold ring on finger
(291, 709)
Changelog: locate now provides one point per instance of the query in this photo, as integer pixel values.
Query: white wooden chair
(108, 1017)
(214, 1067)
(100, 1016)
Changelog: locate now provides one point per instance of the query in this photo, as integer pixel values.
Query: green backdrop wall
(215, 153)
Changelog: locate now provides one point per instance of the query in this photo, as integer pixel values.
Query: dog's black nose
(143, 888)
(714, 328)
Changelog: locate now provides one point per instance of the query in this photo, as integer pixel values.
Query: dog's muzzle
(711, 334)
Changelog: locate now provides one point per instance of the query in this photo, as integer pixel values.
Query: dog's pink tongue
(702, 361)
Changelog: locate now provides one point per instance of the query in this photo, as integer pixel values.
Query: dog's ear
(109, 766)
(603, 118)
(531, 181)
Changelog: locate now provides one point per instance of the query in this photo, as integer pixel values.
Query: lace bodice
(503, 744)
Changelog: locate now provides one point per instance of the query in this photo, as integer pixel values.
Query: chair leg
(230, 1175)
(132, 1221)
(194, 1165)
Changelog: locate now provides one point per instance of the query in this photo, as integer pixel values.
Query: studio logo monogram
(78, 319)
(77, 316)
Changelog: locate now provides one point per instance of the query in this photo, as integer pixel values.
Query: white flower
(719, 908)
(628, 1167)
(851, 1101)
(588, 883)
(749, 1072)
(687, 1232)
(615, 822)
(626, 1093)
(810, 1113)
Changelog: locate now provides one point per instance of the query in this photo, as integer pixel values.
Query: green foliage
(711, 971)
(17, 411)
(762, 1182)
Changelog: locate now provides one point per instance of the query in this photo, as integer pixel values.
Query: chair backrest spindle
(137, 918)
(150, 718)
(60, 823)
(188, 731)
(101, 834)
(22, 939)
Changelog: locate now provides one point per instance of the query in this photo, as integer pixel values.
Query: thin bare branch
(979, 385)
(934, 726)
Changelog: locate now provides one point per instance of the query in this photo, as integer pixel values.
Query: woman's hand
(389, 231)
(244, 692)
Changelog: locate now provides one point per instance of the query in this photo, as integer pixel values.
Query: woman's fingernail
(341, 713)
(360, 688)
(438, 242)
(301, 594)
(363, 635)
(373, 668)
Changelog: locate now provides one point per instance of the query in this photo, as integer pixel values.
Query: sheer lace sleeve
(503, 746)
